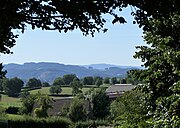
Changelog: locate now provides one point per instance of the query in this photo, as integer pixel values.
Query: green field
(45, 90)
(13, 116)
(65, 90)
(10, 101)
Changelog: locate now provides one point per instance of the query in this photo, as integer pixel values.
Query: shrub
(12, 110)
(40, 113)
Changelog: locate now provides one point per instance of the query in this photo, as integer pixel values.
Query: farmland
(12, 101)
(65, 90)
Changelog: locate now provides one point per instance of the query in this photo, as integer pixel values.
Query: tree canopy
(161, 88)
(65, 15)
(12, 87)
(33, 82)
(68, 78)
(76, 86)
(58, 81)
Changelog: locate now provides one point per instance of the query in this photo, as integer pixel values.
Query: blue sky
(116, 46)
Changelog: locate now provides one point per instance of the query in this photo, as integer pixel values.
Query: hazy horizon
(73, 64)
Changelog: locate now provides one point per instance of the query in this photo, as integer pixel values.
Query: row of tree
(90, 80)
(12, 87)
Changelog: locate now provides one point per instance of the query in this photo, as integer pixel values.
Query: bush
(12, 110)
(40, 113)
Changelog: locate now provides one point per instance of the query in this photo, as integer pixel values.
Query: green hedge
(51, 122)
(29, 122)
(91, 123)
(30, 88)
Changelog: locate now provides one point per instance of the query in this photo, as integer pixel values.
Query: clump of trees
(93, 105)
(58, 81)
(33, 82)
(55, 89)
(76, 86)
(100, 103)
(45, 103)
(65, 80)
(68, 78)
(42, 101)
(77, 111)
(88, 80)
(128, 110)
(28, 101)
(45, 84)
(106, 80)
(12, 87)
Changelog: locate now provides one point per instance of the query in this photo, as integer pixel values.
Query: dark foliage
(12, 110)
(40, 123)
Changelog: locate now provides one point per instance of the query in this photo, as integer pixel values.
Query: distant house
(117, 90)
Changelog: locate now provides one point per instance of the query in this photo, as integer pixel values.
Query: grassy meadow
(45, 90)
(10, 101)
(14, 116)
(65, 90)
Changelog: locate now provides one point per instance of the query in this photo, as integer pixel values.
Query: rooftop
(120, 88)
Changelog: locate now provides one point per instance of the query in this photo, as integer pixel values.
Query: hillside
(49, 71)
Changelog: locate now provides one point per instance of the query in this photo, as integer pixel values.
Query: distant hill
(105, 66)
(49, 71)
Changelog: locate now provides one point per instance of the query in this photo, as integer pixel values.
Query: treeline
(12, 87)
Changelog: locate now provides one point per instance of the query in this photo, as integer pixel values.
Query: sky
(116, 46)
